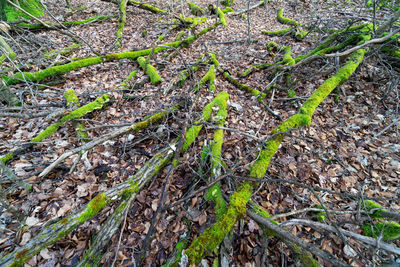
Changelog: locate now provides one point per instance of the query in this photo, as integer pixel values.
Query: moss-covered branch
(214, 193)
(52, 232)
(150, 70)
(284, 20)
(193, 132)
(121, 21)
(140, 5)
(216, 10)
(85, 62)
(213, 236)
(209, 77)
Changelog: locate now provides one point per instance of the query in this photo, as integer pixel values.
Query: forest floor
(343, 152)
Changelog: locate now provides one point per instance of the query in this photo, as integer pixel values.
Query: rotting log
(85, 62)
(213, 236)
(53, 231)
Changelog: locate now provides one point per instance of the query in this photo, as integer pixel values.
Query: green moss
(209, 77)
(75, 114)
(260, 96)
(321, 216)
(71, 98)
(287, 56)
(304, 256)
(144, 33)
(272, 46)
(253, 68)
(284, 20)
(180, 35)
(82, 132)
(227, 2)
(221, 16)
(193, 132)
(148, 7)
(20, 258)
(33, 7)
(227, 10)
(195, 9)
(93, 207)
(214, 235)
(175, 162)
(150, 71)
(260, 167)
(326, 88)
(10, 53)
(281, 32)
(213, 59)
(121, 22)
(300, 34)
(375, 208)
(7, 157)
(389, 230)
(57, 70)
(214, 195)
(130, 77)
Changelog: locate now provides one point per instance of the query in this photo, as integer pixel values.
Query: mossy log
(51, 232)
(7, 95)
(150, 70)
(121, 21)
(208, 77)
(212, 236)
(214, 193)
(284, 20)
(85, 62)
